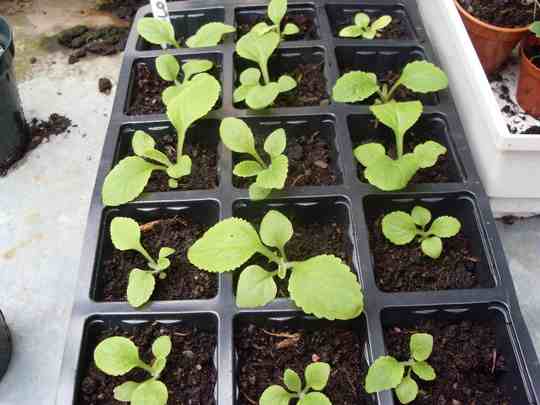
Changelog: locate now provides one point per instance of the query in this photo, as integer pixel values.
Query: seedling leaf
(116, 356)
(257, 193)
(292, 380)
(381, 22)
(225, 246)
(181, 168)
(316, 375)
(277, 10)
(421, 216)
(399, 227)
(167, 67)
(423, 370)
(237, 136)
(388, 174)
(291, 29)
(368, 153)
(352, 31)
(257, 48)
(407, 390)
(170, 93)
(384, 374)
(314, 280)
(124, 392)
(262, 96)
(423, 77)
(276, 229)
(250, 76)
(355, 86)
(421, 346)
(156, 31)
(262, 28)
(275, 143)
(125, 234)
(399, 116)
(141, 285)
(195, 66)
(151, 392)
(432, 247)
(141, 142)
(247, 168)
(256, 287)
(165, 252)
(286, 83)
(275, 175)
(361, 20)
(445, 227)
(428, 153)
(209, 35)
(162, 347)
(275, 395)
(535, 28)
(315, 398)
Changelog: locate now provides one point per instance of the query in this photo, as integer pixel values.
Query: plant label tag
(160, 9)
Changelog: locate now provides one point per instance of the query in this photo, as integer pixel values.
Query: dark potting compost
(506, 13)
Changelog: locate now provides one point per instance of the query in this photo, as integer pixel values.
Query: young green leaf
(276, 229)
(291, 29)
(181, 168)
(314, 280)
(151, 392)
(355, 86)
(407, 390)
(141, 142)
(275, 144)
(423, 370)
(362, 28)
(209, 34)
(421, 346)
(256, 287)
(292, 381)
(257, 48)
(351, 31)
(275, 175)
(445, 227)
(169, 94)
(388, 174)
(286, 83)
(156, 31)
(262, 28)
(421, 216)
(124, 392)
(237, 136)
(247, 168)
(314, 398)
(275, 395)
(399, 228)
(316, 375)
(381, 22)
(262, 96)
(535, 28)
(195, 66)
(423, 77)
(277, 10)
(361, 20)
(384, 374)
(250, 76)
(257, 193)
(116, 356)
(432, 247)
(399, 116)
(141, 285)
(368, 153)
(167, 67)
(126, 234)
(225, 246)
(162, 347)
(428, 153)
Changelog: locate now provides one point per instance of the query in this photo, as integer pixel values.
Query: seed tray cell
(349, 202)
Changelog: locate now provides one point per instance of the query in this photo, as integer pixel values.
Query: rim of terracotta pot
(487, 25)
(528, 60)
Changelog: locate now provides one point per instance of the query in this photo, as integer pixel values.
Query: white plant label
(160, 9)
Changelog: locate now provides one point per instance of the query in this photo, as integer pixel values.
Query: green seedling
(126, 235)
(258, 48)
(535, 28)
(127, 179)
(168, 69)
(117, 355)
(383, 171)
(161, 32)
(237, 136)
(322, 285)
(388, 373)
(400, 228)
(276, 12)
(316, 376)
(363, 28)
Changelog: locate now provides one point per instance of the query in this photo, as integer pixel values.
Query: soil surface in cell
(203, 159)
(310, 161)
(310, 239)
(465, 358)
(265, 353)
(183, 280)
(441, 172)
(397, 29)
(190, 374)
(502, 13)
(147, 89)
(306, 23)
(406, 268)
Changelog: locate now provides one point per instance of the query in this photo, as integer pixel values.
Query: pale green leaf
(156, 31)
(399, 228)
(423, 77)
(407, 390)
(165, 252)
(277, 10)
(250, 76)
(257, 193)
(141, 285)
(116, 356)
(361, 20)
(428, 153)
(355, 86)
(423, 370)
(157, 156)
(247, 168)
(256, 287)
(257, 48)
(262, 96)
(125, 234)
(368, 153)
(421, 346)
(421, 215)
(237, 136)
(262, 28)
(352, 31)
(151, 392)
(209, 35)
(316, 375)
(381, 22)
(292, 381)
(399, 116)
(181, 168)
(432, 247)
(158, 366)
(241, 92)
(225, 246)
(162, 264)
(162, 347)
(167, 67)
(445, 227)
(276, 229)
(326, 287)
(535, 28)
(275, 175)
(384, 374)
(275, 395)
(173, 183)
(369, 33)
(390, 175)
(141, 142)
(126, 181)
(275, 143)
(124, 392)
(291, 29)
(170, 93)
(286, 83)
(195, 66)
(315, 398)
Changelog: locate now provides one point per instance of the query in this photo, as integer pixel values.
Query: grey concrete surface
(44, 203)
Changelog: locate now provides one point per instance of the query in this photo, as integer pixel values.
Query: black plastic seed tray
(349, 202)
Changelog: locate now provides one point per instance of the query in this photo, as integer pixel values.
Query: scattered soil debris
(105, 85)
(510, 219)
(504, 86)
(12, 7)
(123, 9)
(84, 40)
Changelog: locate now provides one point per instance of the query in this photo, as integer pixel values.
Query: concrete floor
(44, 203)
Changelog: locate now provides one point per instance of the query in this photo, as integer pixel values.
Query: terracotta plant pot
(528, 92)
(493, 44)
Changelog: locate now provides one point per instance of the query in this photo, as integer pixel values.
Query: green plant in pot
(528, 90)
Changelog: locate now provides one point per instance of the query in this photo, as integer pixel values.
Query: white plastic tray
(509, 164)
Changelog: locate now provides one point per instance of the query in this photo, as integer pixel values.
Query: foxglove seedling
(363, 28)
(276, 12)
(322, 285)
(161, 32)
(258, 48)
(126, 235)
(401, 228)
(382, 171)
(168, 69)
(118, 355)
(388, 373)
(127, 179)
(316, 376)
(237, 136)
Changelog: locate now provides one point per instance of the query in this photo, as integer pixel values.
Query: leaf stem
(180, 144)
(399, 145)
(146, 367)
(274, 258)
(264, 71)
(392, 91)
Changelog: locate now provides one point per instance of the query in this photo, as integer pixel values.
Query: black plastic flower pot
(332, 208)
(15, 135)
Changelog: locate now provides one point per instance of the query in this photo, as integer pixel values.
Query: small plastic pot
(493, 44)
(528, 91)
(14, 135)
(5, 346)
